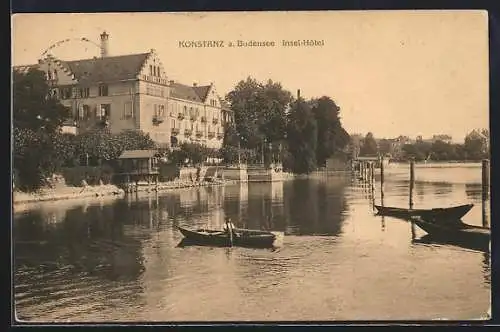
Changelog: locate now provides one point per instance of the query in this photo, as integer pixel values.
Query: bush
(75, 175)
(169, 172)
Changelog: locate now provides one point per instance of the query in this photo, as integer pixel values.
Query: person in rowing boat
(228, 225)
(230, 229)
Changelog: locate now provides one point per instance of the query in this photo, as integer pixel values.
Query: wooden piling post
(366, 171)
(412, 180)
(372, 171)
(485, 178)
(382, 177)
(382, 169)
(484, 215)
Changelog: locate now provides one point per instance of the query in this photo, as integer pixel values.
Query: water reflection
(315, 207)
(483, 246)
(473, 191)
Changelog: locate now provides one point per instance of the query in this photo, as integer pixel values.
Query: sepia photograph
(250, 167)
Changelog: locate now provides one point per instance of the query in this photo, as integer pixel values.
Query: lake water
(112, 260)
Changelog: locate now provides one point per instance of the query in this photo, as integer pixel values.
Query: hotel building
(133, 92)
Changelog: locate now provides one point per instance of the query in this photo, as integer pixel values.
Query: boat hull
(465, 233)
(454, 213)
(243, 238)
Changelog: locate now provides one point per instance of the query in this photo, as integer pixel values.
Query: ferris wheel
(83, 41)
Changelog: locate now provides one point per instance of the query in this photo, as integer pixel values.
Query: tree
(260, 111)
(34, 107)
(195, 153)
(368, 146)
(385, 146)
(101, 145)
(135, 140)
(301, 137)
(476, 144)
(39, 148)
(331, 136)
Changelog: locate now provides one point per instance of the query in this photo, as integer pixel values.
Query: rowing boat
(460, 232)
(241, 238)
(454, 213)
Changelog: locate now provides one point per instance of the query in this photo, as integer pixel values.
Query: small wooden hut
(139, 165)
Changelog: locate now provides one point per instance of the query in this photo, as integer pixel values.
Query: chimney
(298, 94)
(104, 44)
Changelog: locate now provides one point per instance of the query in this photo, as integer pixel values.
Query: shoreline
(78, 193)
(73, 193)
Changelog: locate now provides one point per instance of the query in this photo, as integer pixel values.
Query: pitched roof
(138, 154)
(107, 69)
(202, 91)
(185, 92)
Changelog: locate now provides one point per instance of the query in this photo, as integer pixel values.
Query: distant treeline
(474, 148)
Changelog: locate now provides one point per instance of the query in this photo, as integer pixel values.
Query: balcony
(175, 131)
(199, 133)
(103, 121)
(203, 119)
(157, 119)
(220, 135)
(188, 132)
(215, 120)
(180, 116)
(211, 134)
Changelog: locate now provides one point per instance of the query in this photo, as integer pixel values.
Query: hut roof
(138, 154)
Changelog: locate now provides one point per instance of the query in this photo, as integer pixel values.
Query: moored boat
(454, 213)
(241, 237)
(462, 231)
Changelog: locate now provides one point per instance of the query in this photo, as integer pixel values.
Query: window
(86, 92)
(55, 74)
(84, 112)
(185, 110)
(172, 122)
(128, 111)
(151, 70)
(65, 93)
(49, 75)
(104, 111)
(103, 90)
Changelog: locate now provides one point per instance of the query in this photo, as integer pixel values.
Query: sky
(391, 72)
